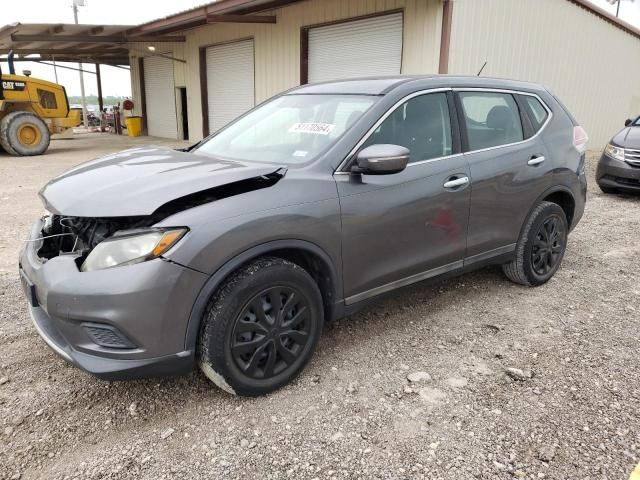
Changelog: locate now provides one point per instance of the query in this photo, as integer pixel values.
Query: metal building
(194, 71)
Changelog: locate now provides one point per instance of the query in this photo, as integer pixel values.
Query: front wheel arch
(280, 248)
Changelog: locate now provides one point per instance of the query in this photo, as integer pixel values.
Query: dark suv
(619, 165)
(232, 253)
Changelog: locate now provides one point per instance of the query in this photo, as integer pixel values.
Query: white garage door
(230, 82)
(160, 94)
(361, 48)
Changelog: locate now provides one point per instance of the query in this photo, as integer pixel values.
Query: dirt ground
(353, 413)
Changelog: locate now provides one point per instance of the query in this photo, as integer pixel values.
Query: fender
(197, 311)
(546, 193)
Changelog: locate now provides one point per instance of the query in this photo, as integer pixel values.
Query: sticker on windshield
(300, 153)
(312, 127)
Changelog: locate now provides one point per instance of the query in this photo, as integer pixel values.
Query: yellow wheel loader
(31, 110)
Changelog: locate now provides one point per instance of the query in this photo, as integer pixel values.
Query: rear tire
(541, 246)
(24, 134)
(261, 327)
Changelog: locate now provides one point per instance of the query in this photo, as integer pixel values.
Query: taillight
(580, 138)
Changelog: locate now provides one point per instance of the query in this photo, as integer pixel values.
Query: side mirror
(382, 159)
(628, 122)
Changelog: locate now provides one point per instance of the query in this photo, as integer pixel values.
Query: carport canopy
(102, 44)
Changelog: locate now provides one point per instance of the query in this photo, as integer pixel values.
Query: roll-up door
(361, 48)
(160, 95)
(230, 82)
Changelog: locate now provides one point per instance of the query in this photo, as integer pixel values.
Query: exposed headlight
(614, 152)
(127, 249)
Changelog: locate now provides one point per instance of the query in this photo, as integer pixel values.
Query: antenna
(483, 65)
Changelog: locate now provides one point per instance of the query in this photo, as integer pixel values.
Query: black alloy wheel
(548, 246)
(271, 332)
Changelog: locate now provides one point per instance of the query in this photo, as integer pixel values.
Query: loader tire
(24, 134)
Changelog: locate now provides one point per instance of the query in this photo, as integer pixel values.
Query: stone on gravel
(457, 382)
(416, 377)
(133, 409)
(244, 443)
(432, 396)
(546, 453)
(518, 374)
(3, 380)
(167, 433)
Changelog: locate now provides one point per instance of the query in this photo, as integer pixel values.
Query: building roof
(208, 12)
(109, 44)
(221, 11)
(607, 17)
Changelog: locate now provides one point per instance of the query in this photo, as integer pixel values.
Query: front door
(405, 227)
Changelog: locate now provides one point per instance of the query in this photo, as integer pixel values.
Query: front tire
(541, 246)
(24, 134)
(261, 327)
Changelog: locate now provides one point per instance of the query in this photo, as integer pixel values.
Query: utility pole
(55, 69)
(85, 114)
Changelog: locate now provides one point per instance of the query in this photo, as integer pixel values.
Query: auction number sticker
(312, 127)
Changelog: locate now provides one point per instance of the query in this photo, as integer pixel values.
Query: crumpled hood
(628, 137)
(138, 181)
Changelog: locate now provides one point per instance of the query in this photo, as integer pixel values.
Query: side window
(421, 124)
(47, 99)
(492, 119)
(537, 113)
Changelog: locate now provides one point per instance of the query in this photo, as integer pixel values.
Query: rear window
(537, 113)
(492, 119)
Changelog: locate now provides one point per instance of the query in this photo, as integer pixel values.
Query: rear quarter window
(536, 111)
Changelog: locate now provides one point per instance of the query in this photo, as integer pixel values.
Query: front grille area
(107, 336)
(632, 156)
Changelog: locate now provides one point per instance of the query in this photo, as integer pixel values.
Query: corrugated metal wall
(591, 65)
(277, 47)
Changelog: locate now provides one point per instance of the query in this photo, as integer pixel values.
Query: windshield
(291, 129)
(636, 123)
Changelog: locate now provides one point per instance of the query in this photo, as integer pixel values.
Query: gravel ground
(415, 386)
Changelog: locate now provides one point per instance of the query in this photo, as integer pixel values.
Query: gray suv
(232, 254)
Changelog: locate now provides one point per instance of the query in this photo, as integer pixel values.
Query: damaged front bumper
(119, 323)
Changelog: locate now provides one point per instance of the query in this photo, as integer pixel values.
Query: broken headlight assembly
(127, 248)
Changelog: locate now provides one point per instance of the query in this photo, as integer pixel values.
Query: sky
(115, 81)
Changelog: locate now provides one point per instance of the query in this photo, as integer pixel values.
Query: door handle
(536, 161)
(456, 182)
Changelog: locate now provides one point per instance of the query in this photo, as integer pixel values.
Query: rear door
(508, 164)
(401, 228)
